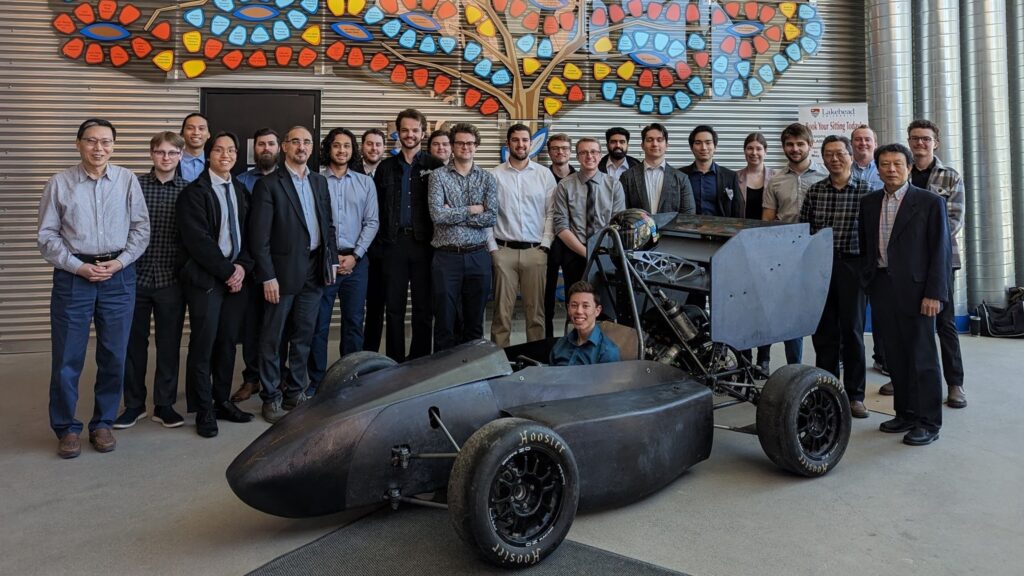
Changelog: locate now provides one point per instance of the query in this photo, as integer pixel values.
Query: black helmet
(636, 229)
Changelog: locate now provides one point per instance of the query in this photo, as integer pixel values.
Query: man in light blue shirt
(195, 129)
(864, 167)
(354, 211)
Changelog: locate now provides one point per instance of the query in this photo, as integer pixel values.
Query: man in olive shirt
(93, 225)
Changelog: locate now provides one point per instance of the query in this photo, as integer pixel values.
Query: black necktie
(591, 215)
(232, 218)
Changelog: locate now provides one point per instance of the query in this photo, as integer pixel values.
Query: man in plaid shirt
(157, 293)
(929, 173)
(834, 203)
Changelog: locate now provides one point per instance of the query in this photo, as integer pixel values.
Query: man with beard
(195, 129)
(784, 195)
(616, 161)
(405, 234)
(292, 238)
(440, 146)
(267, 153)
(463, 206)
(354, 211)
(372, 149)
(521, 237)
(655, 186)
(93, 225)
(559, 150)
(715, 188)
(834, 203)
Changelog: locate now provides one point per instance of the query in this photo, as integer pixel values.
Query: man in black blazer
(653, 185)
(211, 215)
(905, 242)
(715, 188)
(291, 235)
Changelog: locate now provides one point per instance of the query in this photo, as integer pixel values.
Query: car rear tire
(344, 371)
(513, 491)
(803, 420)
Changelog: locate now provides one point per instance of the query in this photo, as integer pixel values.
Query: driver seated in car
(585, 343)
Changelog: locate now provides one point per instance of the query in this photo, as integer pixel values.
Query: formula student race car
(519, 446)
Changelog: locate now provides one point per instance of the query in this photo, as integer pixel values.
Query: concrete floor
(160, 505)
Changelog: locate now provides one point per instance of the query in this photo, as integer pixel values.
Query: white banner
(828, 119)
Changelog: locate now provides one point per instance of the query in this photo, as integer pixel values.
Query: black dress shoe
(228, 411)
(206, 424)
(896, 425)
(920, 436)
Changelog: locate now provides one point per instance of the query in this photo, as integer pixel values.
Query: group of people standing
(260, 258)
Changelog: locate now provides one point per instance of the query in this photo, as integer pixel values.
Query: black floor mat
(417, 541)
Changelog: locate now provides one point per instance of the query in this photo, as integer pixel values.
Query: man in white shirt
(521, 237)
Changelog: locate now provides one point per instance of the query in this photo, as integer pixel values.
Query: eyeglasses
(220, 150)
(166, 153)
(299, 142)
(558, 148)
(588, 153)
(464, 143)
(922, 139)
(831, 155)
(93, 142)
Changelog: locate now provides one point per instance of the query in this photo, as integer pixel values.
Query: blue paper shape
(196, 17)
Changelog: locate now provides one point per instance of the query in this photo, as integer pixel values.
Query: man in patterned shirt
(834, 203)
(157, 293)
(463, 202)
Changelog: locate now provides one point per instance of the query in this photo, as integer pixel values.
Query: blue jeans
(351, 290)
(794, 350)
(75, 303)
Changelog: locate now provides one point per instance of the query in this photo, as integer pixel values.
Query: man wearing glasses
(929, 173)
(559, 150)
(463, 202)
(834, 203)
(292, 239)
(93, 226)
(584, 204)
(157, 293)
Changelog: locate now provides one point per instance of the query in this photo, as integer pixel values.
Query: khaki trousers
(518, 272)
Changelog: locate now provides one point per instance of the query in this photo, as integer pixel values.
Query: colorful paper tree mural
(527, 58)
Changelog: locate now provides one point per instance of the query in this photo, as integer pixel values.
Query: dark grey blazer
(676, 194)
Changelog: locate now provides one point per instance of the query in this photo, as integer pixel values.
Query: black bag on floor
(1002, 322)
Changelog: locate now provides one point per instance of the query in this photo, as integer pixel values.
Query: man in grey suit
(654, 185)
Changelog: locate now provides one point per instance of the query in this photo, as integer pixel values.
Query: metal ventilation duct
(890, 72)
(1015, 39)
(986, 152)
(937, 93)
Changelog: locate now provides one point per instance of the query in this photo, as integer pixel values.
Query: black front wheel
(513, 491)
(803, 420)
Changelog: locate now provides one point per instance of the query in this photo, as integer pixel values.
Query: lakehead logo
(815, 112)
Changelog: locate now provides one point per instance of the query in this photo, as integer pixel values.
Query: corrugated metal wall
(44, 97)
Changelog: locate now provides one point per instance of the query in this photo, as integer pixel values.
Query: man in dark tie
(905, 242)
(292, 238)
(653, 185)
(211, 215)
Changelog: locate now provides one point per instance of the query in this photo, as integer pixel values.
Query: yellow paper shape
(473, 14)
(192, 40)
(601, 70)
(486, 28)
(337, 7)
(556, 86)
(572, 72)
(602, 45)
(791, 31)
(312, 35)
(625, 70)
(356, 6)
(551, 105)
(193, 68)
(788, 8)
(164, 60)
(530, 65)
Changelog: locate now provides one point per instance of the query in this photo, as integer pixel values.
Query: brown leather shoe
(955, 397)
(858, 409)
(70, 446)
(245, 391)
(886, 389)
(102, 440)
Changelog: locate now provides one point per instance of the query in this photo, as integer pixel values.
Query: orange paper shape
(550, 25)
(63, 24)
(399, 75)
(336, 51)
(692, 13)
(93, 54)
(615, 13)
(283, 55)
(654, 10)
(531, 20)
(129, 14)
(356, 58)
(445, 10)
(73, 48)
(733, 8)
(683, 71)
(665, 79)
(118, 56)
(701, 58)
(646, 79)
(141, 47)
(107, 9)
(258, 59)
(472, 97)
(441, 83)
(673, 12)
(162, 31)
(388, 6)
(379, 62)
(575, 93)
(636, 8)
(85, 14)
(750, 9)
(306, 57)
(490, 106)
(566, 20)
(212, 48)
(232, 60)
(499, 5)
(420, 77)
